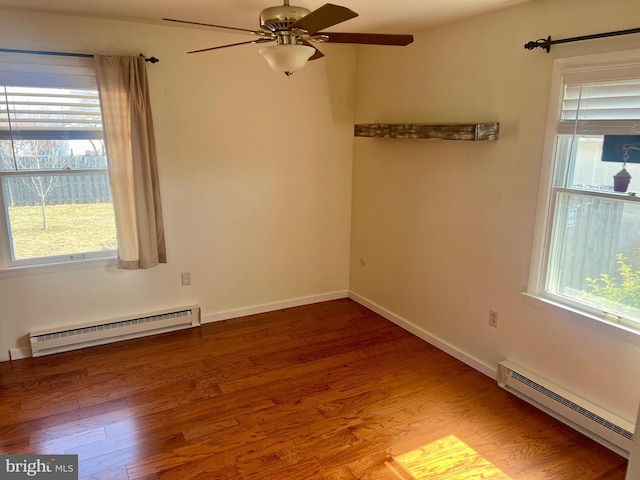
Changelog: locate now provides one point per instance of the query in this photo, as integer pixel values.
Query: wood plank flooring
(326, 391)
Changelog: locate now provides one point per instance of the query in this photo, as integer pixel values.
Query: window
(55, 194)
(589, 230)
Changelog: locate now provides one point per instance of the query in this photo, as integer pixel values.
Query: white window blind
(46, 71)
(49, 114)
(593, 106)
(48, 99)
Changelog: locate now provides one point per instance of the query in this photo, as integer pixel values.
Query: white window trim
(54, 74)
(539, 255)
(60, 267)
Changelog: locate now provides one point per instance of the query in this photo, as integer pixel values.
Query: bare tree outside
(39, 155)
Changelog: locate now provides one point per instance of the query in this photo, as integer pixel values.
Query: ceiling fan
(295, 29)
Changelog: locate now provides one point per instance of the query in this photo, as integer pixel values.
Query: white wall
(445, 229)
(255, 173)
(633, 470)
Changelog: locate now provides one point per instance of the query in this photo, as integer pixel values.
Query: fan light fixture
(287, 58)
(295, 29)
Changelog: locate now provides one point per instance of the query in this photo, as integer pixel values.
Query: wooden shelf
(473, 132)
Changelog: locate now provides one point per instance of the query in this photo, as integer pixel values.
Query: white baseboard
(464, 357)
(18, 353)
(270, 307)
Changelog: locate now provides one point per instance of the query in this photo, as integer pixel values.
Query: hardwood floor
(326, 391)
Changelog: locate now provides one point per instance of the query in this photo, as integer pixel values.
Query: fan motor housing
(275, 19)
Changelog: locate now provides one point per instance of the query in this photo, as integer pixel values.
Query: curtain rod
(546, 43)
(66, 54)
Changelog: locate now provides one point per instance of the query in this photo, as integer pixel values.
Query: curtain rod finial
(150, 59)
(540, 43)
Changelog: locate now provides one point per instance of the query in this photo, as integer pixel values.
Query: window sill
(23, 271)
(599, 324)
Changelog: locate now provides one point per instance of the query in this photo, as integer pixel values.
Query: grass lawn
(71, 229)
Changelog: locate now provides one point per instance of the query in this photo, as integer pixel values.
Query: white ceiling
(392, 16)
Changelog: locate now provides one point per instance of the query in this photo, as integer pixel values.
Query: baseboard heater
(596, 423)
(63, 339)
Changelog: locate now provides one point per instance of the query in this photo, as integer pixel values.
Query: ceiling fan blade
(258, 40)
(316, 55)
(367, 38)
(323, 17)
(246, 30)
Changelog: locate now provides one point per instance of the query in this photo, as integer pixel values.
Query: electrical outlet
(493, 318)
(186, 278)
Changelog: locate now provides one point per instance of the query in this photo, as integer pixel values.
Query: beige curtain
(133, 172)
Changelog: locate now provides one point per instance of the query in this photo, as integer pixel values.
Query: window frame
(46, 72)
(535, 292)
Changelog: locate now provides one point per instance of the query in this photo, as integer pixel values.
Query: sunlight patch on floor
(447, 458)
